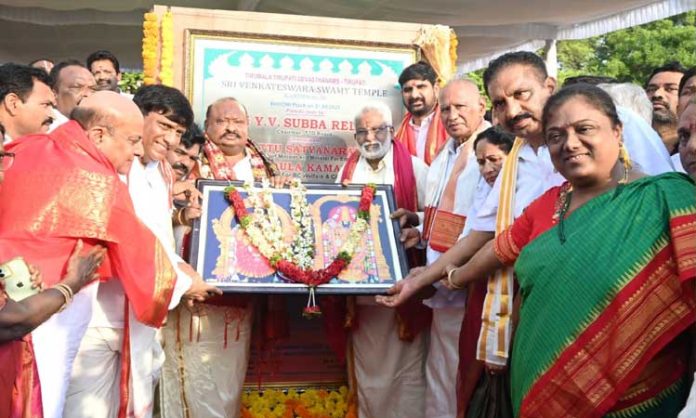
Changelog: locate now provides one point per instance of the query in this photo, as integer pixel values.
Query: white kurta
(200, 374)
(389, 372)
(448, 305)
(150, 196)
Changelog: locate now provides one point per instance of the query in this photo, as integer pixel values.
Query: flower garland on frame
(150, 45)
(262, 230)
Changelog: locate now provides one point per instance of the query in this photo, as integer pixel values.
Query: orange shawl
(437, 136)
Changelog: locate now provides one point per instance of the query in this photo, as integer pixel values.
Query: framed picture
(222, 253)
(301, 94)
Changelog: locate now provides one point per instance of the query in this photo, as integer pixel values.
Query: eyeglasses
(6, 160)
(380, 133)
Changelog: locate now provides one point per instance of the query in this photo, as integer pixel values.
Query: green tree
(130, 81)
(631, 54)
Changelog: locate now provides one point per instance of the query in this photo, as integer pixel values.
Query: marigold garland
(454, 42)
(310, 403)
(166, 74)
(150, 48)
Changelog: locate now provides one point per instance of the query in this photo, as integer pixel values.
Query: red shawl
(61, 188)
(437, 136)
(405, 191)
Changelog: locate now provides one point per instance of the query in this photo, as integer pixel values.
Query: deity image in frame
(223, 255)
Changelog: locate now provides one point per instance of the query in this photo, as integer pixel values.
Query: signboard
(302, 95)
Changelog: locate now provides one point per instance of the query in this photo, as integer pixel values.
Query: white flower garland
(303, 244)
(265, 231)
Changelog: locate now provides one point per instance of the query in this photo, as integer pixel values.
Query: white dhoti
(94, 386)
(56, 342)
(96, 375)
(201, 377)
(443, 362)
(390, 372)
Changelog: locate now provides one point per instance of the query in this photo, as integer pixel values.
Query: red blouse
(540, 216)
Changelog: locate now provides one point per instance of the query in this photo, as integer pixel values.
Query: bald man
(76, 193)
(451, 185)
(109, 336)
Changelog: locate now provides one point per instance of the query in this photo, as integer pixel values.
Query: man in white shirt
(26, 101)
(106, 70)
(104, 347)
(388, 363)
(421, 130)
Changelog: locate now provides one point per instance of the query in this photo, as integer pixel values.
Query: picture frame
(221, 253)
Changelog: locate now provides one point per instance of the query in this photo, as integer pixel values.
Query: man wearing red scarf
(64, 187)
(388, 347)
(421, 131)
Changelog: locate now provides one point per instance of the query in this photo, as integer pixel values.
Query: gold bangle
(67, 293)
(181, 218)
(449, 279)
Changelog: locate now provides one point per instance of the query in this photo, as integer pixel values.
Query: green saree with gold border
(608, 295)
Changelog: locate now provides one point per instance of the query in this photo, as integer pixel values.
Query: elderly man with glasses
(388, 347)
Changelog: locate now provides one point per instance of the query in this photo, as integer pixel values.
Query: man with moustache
(183, 159)
(26, 101)
(111, 337)
(218, 354)
(106, 70)
(72, 82)
(421, 130)
(662, 89)
(388, 347)
(518, 86)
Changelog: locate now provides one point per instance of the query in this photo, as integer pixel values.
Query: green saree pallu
(608, 294)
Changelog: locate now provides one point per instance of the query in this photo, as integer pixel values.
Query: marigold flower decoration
(166, 74)
(150, 46)
(290, 263)
(309, 403)
(454, 42)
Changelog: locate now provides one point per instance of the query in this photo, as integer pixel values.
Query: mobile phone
(17, 279)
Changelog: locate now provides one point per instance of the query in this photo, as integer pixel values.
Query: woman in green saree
(606, 266)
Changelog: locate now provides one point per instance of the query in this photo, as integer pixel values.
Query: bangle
(449, 279)
(67, 293)
(181, 218)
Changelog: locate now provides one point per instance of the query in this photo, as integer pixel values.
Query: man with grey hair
(452, 182)
(388, 345)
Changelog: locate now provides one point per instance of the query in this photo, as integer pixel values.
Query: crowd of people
(551, 240)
